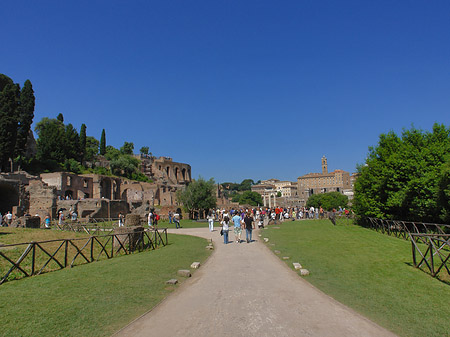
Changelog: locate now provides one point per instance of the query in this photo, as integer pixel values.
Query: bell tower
(324, 165)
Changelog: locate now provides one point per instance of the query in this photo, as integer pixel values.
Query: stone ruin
(92, 195)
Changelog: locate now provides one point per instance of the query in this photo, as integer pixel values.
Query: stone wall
(42, 199)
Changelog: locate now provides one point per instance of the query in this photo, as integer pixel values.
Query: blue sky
(237, 89)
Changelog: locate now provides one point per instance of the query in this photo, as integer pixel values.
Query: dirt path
(245, 290)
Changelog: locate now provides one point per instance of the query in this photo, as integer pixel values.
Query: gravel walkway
(245, 290)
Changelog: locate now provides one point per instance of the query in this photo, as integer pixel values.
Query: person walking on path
(237, 227)
(149, 219)
(121, 217)
(249, 226)
(225, 228)
(176, 220)
(210, 221)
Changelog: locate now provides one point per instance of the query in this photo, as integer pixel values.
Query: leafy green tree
(9, 103)
(329, 200)
(25, 117)
(144, 150)
(82, 142)
(60, 118)
(102, 148)
(444, 192)
(400, 179)
(199, 195)
(92, 146)
(246, 185)
(112, 153)
(278, 194)
(124, 166)
(127, 148)
(248, 198)
(50, 147)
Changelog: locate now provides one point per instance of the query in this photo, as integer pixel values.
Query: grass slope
(368, 271)
(95, 299)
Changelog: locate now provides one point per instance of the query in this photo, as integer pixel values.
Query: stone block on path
(297, 266)
(195, 265)
(172, 281)
(184, 273)
(304, 272)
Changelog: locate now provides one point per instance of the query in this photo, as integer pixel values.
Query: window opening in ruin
(85, 183)
(168, 170)
(69, 181)
(68, 195)
(183, 173)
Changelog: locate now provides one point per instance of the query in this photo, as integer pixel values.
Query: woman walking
(211, 221)
(225, 228)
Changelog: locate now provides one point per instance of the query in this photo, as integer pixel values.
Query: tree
(91, 148)
(60, 118)
(444, 192)
(50, 142)
(25, 117)
(127, 148)
(248, 198)
(9, 103)
(102, 148)
(198, 195)
(144, 150)
(246, 185)
(82, 142)
(124, 166)
(328, 201)
(400, 179)
(71, 143)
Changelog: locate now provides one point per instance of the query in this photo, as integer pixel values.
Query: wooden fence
(402, 229)
(431, 251)
(34, 258)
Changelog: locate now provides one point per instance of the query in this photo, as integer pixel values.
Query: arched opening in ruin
(68, 194)
(176, 173)
(9, 197)
(183, 173)
(168, 171)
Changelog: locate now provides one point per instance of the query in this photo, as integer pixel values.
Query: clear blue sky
(237, 89)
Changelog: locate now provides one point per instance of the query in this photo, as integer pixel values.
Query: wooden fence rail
(402, 229)
(45, 256)
(431, 251)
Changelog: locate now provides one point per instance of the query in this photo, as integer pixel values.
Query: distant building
(315, 183)
(278, 193)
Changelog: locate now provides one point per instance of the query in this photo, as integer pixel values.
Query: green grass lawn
(369, 272)
(99, 298)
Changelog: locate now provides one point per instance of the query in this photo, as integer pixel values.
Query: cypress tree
(103, 143)
(60, 117)
(82, 142)
(25, 117)
(8, 122)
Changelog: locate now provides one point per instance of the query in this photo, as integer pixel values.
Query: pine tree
(25, 115)
(103, 143)
(82, 142)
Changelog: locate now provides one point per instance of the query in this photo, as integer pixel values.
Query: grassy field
(369, 272)
(95, 299)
